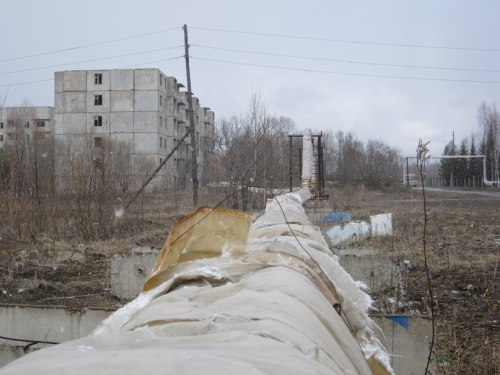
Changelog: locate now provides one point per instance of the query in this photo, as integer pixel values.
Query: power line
(153, 62)
(27, 82)
(89, 45)
(360, 42)
(346, 73)
(345, 60)
(129, 66)
(91, 60)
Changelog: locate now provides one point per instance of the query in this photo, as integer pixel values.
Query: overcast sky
(306, 84)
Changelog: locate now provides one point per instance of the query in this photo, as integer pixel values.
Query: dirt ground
(463, 254)
(462, 245)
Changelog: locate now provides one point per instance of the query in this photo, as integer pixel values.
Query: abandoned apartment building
(142, 108)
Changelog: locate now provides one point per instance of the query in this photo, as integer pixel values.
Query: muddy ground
(462, 246)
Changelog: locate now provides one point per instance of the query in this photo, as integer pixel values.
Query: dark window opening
(97, 99)
(40, 124)
(97, 120)
(98, 78)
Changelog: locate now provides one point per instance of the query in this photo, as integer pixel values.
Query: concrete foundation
(407, 345)
(42, 323)
(375, 270)
(130, 271)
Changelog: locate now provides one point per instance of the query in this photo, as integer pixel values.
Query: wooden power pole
(192, 130)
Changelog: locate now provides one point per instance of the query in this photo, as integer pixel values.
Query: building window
(161, 142)
(1, 137)
(161, 80)
(40, 124)
(1, 125)
(98, 78)
(27, 125)
(97, 120)
(161, 99)
(97, 99)
(161, 121)
(98, 142)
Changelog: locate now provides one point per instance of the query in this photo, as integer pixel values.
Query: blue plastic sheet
(402, 320)
(334, 217)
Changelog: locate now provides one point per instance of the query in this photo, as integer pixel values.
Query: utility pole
(192, 130)
(453, 153)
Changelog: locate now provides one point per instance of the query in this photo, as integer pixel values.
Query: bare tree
(489, 121)
(250, 150)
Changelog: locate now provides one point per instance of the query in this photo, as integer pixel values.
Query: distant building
(140, 107)
(25, 124)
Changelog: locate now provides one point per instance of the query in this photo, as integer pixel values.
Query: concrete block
(44, 323)
(147, 79)
(408, 347)
(122, 79)
(70, 123)
(106, 80)
(75, 80)
(381, 225)
(9, 353)
(121, 122)
(58, 82)
(129, 272)
(350, 232)
(375, 270)
(147, 100)
(71, 102)
(91, 128)
(146, 143)
(91, 101)
(146, 122)
(122, 101)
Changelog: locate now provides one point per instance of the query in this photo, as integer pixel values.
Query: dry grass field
(463, 250)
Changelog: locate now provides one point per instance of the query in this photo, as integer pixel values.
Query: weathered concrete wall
(375, 270)
(122, 79)
(75, 80)
(122, 101)
(130, 271)
(122, 122)
(49, 323)
(408, 347)
(105, 83)
(147, 79)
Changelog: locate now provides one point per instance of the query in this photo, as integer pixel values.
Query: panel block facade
(141, 107)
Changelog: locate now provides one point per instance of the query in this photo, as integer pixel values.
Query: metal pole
(194, 166)
(290, 164)
(157, 169)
